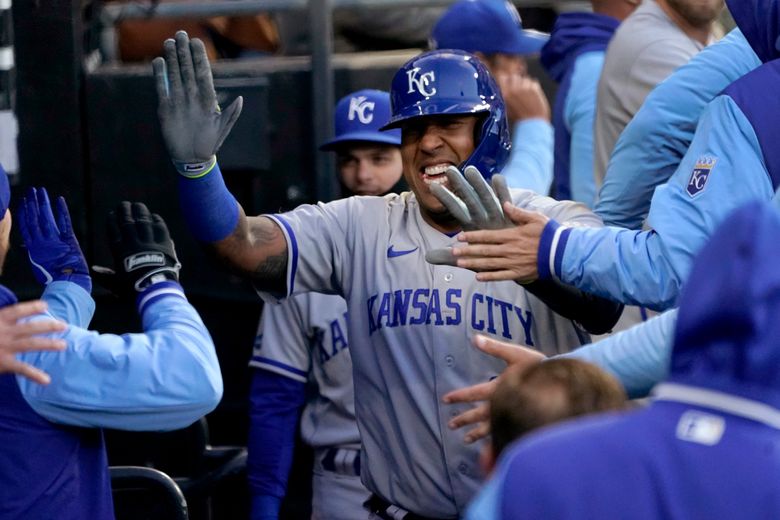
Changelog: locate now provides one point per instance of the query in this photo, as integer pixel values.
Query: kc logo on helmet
(362, 109)
(421, 82)
(700, 175)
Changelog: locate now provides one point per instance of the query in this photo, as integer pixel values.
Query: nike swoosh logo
(392, 254)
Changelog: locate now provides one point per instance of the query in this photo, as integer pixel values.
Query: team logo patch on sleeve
(700, 175)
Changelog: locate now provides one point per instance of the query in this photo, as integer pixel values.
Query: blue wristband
(210, 210)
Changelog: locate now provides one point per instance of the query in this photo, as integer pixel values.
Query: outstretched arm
(194, 127)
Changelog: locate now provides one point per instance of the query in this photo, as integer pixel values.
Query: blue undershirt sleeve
(275, 402)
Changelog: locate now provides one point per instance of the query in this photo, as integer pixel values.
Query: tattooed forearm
(257, 249)
(271, 272)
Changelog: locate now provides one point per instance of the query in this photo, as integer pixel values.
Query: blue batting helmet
(359, 116)
(448, 82)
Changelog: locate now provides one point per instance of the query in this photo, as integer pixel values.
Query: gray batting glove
(473, 203)
(192, 123)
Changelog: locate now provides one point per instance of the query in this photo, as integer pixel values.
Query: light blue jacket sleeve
(638, 357)
(652, 145)
(530, 164)
(722, 170)
(163, 379)
(579, 114)
(487, 502)
(70, 303)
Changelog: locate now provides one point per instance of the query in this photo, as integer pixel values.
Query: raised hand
(18, 336)
(142, 248)
(524, 97)
(51, 244)
(515, 356)
(192, 123)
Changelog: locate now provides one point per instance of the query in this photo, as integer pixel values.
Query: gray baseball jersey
(304, 335)
(410, 326)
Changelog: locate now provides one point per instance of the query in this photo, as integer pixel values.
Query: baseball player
(305, 338)
(53, 461)
(409, 322)
(493, 31)
(729, 162)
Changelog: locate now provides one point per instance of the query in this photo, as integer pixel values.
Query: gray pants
(337, 493)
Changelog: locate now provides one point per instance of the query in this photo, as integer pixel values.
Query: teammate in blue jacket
(703, 448)
(731, 160)
(573, 57)
(304, 339)
(53, 461)
(493, 31)
(408, 323)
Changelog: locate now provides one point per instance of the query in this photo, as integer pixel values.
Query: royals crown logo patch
(700, 175)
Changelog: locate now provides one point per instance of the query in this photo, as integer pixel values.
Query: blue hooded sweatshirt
(573, 57)
(707, 447)
(732, 159)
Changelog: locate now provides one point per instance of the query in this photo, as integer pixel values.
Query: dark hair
(549, 392)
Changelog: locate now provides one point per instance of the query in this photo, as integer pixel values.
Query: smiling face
(428, 146)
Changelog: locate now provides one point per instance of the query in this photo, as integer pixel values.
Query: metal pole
(321, 33)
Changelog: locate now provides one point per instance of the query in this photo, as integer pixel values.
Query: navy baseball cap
(359, 117)
(5, 191)
(486, 26)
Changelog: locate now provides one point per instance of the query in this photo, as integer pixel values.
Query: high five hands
(193, 125)
(500, 241)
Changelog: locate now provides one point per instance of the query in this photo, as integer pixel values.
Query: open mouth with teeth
(435, 173)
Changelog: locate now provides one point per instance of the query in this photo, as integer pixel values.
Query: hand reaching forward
(515, 356)
(502, 241)
(24, 336)
(192, 123)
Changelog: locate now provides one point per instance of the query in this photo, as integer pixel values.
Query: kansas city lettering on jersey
(336, 339)
(411, 307)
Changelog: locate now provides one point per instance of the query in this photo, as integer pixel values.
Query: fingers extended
(202, 76)
(173, 73)
(467, 194)
(31, 328)
(474, 415)
(470, 394)
(186, 66)
(17, 311)
(487, 198)
(454, 205)
(63, 218)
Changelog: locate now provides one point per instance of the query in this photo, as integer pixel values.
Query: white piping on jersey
(739, 406)
(554, 249)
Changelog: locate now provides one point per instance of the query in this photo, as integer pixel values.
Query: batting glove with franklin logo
(142, 247)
